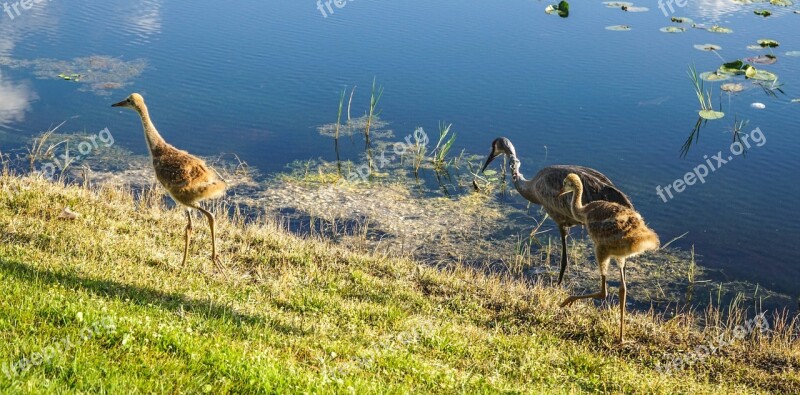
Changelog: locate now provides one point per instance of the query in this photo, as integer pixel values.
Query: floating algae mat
(97, 74)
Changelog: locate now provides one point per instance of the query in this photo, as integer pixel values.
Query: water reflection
(15, 101)
(713, 10)
(146, 19)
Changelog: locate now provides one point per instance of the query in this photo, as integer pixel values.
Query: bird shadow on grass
(141, 296)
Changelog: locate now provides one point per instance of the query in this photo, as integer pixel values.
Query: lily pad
(708, 47)
(736, 67)
(562, 9)
(711, 114)
(732, 87)
(617, 4)
(763, 13)
(672, 29)
(681, 19)
(713, 76)
(619, 28)
(781, 3)
(720, 29)
(768, 43)
(762, 75)
(793, 53)
(763, 59)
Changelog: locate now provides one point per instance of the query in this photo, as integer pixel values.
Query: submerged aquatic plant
(736, 130)
(375, 97)
(703, 97)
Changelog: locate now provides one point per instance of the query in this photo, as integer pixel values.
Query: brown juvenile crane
(617, 231)
(186, 177)
(544, 190)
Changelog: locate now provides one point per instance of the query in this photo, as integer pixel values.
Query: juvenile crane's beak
(563, 192)
(120, 104)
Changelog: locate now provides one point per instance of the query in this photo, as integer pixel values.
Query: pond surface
(257, 78)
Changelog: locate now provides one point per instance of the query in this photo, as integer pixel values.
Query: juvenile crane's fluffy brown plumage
(186, 177)
(617, 232)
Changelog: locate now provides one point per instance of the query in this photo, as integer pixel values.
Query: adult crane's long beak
(492, 155)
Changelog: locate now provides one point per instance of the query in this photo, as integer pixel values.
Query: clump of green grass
(300, 315)
(443, 146)
(704, 98)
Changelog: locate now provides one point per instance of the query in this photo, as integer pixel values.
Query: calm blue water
(256, 78)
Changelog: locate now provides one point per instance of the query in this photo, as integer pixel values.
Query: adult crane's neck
(151, 134)
(523, 186)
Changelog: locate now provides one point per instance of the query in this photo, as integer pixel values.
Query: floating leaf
(562, 9)
(708, 47)
(781, 3)
(735, 67)
(617, 4)
(793, 53)
(720, 29)
(762, 75)
(711, 114)
(619, 28)
(713, 76)
(758, 106)
(732, 87)
(763, 59)
(768, 43)
(672, 29)
(763, 13)
(681, 19)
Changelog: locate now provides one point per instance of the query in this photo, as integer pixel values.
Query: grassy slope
(305, 316)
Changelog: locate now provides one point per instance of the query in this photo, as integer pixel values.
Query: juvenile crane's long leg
(564, 232)
(598, 295)
(186, 237)
(622, 294)
(211, 223)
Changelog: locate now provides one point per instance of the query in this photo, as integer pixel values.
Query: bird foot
(219, 265)
(567, 302)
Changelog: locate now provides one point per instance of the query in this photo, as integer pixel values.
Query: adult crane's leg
(564, 230)
(186, 236)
